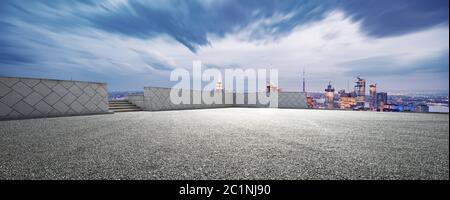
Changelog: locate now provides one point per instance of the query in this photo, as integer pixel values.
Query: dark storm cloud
(190, 22)
(382, 18)
(35, 36)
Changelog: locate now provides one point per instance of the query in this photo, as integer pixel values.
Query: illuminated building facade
(270, 87)
(329, 96)
(346, 100)
(373, 97)
(360, 90)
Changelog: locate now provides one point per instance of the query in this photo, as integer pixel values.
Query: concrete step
(127, 110)
(118, 101)
(122, 106)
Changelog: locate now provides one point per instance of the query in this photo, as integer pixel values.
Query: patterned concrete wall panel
(30, 97)
(285, 100)
(137, 100)
(292, 100)
(159, 99)
(251, 100)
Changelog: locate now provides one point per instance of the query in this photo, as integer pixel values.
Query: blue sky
(398, 44)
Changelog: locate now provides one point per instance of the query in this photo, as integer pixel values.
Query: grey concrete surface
(229, 143)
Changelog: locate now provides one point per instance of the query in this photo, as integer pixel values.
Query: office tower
(329, 96)
(360, 90)
(373, 97)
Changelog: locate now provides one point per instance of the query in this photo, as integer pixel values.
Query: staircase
(122, 106)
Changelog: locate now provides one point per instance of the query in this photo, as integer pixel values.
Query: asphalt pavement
(229, 143)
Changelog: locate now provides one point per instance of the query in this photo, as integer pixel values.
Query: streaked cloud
(143, 41)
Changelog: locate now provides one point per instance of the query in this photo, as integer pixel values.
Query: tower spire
(304, 90)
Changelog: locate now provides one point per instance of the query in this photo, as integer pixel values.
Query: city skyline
(131, 44)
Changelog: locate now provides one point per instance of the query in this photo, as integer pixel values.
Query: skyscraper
(360, 90)
(329, 96)
(373, 97)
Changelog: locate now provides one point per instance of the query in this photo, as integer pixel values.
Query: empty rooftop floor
(229, 143)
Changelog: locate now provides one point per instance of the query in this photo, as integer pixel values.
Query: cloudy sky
(398, 44)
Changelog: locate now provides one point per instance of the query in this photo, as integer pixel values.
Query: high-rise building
(381, 100)
(373, 97)
(360, 90)
(329, 96)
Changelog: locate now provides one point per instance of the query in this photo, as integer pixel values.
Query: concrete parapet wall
(136, 99)
(159, 99)
(285, 100)
(292, 100)
(32, 97)
(156, 98)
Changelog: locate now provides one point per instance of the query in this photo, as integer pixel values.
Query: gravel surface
(230, 143)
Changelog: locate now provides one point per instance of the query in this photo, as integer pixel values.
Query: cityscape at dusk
(226, 99)
(360, 97)
(367, 98)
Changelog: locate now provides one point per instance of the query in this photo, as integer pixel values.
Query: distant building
(409, 108)
(219, 86)
(389, 108)
(373, 97)
(398, 108)
(346, 100)
(422, 108)
(360, 90)
(270, 87)
(381, 100)
(310, 102)
(329, 96)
